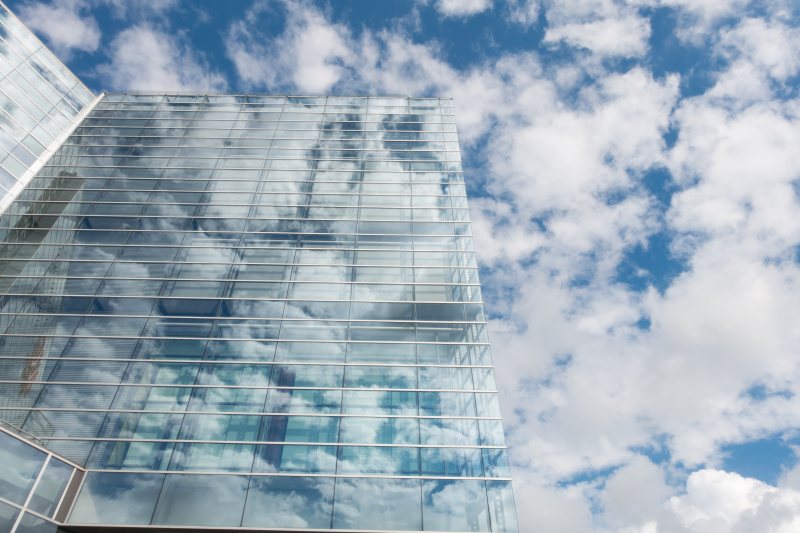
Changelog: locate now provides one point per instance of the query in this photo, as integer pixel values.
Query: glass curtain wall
(39, 100)
(255, 311)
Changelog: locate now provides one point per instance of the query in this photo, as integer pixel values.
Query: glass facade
(33, 486)
(256, 311)
(39, 101)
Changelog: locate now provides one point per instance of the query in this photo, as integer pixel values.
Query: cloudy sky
(634, 168)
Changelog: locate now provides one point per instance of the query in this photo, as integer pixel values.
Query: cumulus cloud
(625, 36)
(725, 501)
(311, 54)
(66, 25)
(697, 19)
(462, 8)
(146, 58)
(606, 29)
(771, 46)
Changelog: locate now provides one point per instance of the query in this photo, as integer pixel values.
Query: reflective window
(444, 431)
(215, 457)
(296, 458)
(380, 402)
(455, 506)
(8, 515)
(20, 465)
(290, 502)
(377, 504)
(112, 498)
(33, 524)
(52, 483)
(196, 500)
(300, 429)
(378, 460)
(451, 462)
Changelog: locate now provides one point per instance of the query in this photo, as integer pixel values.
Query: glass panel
(215, 457)
(220, 427)
(378, 460)
(444, 431)
(495, 461)
(131, 455)
(296, 458)
(381, 377)
(491, 433)
(380, 403)
(8, 516)
(488, 405)
(289, 502)
(34, 524)
(454, 506)
(111, 498)
(19, 463)
(465, 462)
(447, 404)
(501, 506)
(358, 430)
(51, 485)
(300, 429)
(196, 500)
(378, 504)
(304, 401)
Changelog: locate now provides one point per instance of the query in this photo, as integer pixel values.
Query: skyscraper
(248, 311)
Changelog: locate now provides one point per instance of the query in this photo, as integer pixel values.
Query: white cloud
(462, 8)
(138, 9)
(634, 495)
(554, 510)
(523, 12)
(145, 58)
(724, 501)
(605, 28)
(311, 54)
(64, 24)
(625, 36)
(697, 19)
(769, 45)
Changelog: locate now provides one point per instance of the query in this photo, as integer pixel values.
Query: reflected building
(257, 312)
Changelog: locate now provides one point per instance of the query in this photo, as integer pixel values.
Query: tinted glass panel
(20, 463)
(455, 506)
(377, 504)
(111, 498)
(201, 500)
(34, 524)
(51, 485)
(8, 515)
(291, 502)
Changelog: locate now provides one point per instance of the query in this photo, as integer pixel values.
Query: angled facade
(247, 312)
(39, 102)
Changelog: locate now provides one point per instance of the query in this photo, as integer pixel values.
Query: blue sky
(636, 207)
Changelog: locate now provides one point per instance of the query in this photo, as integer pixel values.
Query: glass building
(256, 312)
(39, 102)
